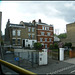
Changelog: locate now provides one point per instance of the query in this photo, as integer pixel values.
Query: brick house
(21, 35)
(45, 34)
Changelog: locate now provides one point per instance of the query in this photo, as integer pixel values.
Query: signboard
(17, 59)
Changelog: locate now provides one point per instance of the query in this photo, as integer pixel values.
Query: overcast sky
(58, 13)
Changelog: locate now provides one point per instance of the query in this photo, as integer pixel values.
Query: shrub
(37, 46)
(69, 45)
(55, 45)
(51, 46)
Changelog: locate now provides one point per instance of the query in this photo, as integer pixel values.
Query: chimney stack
(39, 20)
(33, 22)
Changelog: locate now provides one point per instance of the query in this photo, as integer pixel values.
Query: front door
(23, 43)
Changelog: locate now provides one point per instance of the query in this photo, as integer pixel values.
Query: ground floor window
(18, 41)
(13, 41)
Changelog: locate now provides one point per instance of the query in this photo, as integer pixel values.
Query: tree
(37, 46)
(64, 35)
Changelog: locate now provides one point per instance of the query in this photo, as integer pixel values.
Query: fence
(27, 56)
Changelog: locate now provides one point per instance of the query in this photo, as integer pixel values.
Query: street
(53, 67)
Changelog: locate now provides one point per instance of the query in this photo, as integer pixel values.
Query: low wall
(72, 53)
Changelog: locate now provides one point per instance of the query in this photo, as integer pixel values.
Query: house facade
(45, 34)
(19, 35)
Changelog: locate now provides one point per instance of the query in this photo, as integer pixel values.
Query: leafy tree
(37, 46)
(64, 35)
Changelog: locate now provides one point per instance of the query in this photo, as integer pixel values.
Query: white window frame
(42, 33)
(29, 29)
(47, 28)
(42, 27)
(41, 39)
(29, 35)
(48, 33)
(45, 45)
(45, 39)
(33, 29)
(33, 35)
(50, 39)
(18, 32)
(14, 32)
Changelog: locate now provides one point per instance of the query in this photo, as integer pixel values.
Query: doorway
(23, 43)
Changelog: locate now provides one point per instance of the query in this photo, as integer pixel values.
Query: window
(43, 27)
(45, 45)
(13, 41)
(14, 32)
(45, 39)
(18, 41)
(42, 33)
(33, 29)
(29, 36)
(41, 39)
(18, 32)
(29, 29)
(50, 39)
(33, 43)
(33, 36)
(47, 28)
(27, 40)
(48, 33)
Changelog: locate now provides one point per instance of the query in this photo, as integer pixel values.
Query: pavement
(53, 67)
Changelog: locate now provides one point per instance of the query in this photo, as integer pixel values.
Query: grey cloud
(51, 9)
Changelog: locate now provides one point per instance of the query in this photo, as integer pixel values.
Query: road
(53, 67)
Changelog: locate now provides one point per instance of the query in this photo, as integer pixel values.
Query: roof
(16, 25)
(28, 24)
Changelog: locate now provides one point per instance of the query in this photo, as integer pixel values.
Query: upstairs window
(33, 29)
(46, 46)
(14, 33)
(41, 39)
(50, 39)
(42, 27)
(33, 36)
(29, 36)
(18, 32)
(45, 39)
(48, 33)
(42, 33)
(47, 28)
(29, 29)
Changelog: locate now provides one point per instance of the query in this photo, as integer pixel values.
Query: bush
(69, 45)
(37, 46)
(51, 46)
(55, 45)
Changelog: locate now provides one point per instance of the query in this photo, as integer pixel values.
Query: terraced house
(21, 35)
(45, 34)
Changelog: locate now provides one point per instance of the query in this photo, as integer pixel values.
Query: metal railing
(16, 68)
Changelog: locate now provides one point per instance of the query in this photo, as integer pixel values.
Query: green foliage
(51, 46)
(55, 45)
(64, 35)
(37, 46)
(69, 45)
